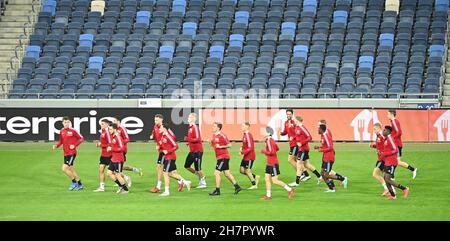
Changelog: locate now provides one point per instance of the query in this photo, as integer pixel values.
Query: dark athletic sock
(339, 177)
(79, 182)
(306, 174)
(316, 173)
(411, 168)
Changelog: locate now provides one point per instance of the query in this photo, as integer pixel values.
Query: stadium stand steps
(446, 94)
(11, 25)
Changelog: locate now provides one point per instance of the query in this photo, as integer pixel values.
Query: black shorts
(160, 158)
(194, 158)
(116, 167)
(380, 165)
(327, 166)
(390, 170)
(273, 170)
(303, 156)
(399, 154)
(223, 165)
(169, 166)
(105, 160)
(68, 160)
(293, 151)
(247, 164)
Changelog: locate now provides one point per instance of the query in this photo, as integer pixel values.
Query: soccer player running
(117, 149)
(220, 144)
(248, 156)
(194, 141)
(168, 146)
(302, 139)
(328, 159)
(156, 135)
(378, 171)
(105, 157)
(70, 139)
(272, 167)
(124, 135)
(289, 130)
(397, 136)
(390, 158)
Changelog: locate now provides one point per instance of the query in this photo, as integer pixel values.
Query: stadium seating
(304, 48)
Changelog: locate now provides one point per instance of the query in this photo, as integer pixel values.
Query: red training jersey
(396, 132)
(67, 137)
(289, 130)
(390, 151)
(125, 138)
(168, 144)
(327, 147)
(194, 139)
(248, 147)
(303, 137)
(379, 144)
(117, 148)
(105, 141)
(157, 136)
(221, 139)
(271, 152)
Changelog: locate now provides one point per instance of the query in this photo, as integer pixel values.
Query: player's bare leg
(191, 170)
(230, 177)
(65, 168)
(300, 168)
(101, 175)
(313, 169)
(134, 169)
(407, 166)
(293, 161)
(181, 180)
(248, 173)
(166, 185)
(283, 185)
(268, 187)
(337, 176)
(217, 177)
(328, 181)
(390, 183)
(378, 175)
(159, 174)
(118, 179)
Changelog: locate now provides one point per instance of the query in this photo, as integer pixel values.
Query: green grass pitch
(33, 187)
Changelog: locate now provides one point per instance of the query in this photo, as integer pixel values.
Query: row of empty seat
(304, 48)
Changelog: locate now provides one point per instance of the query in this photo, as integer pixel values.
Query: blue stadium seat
(49, 6)
(217, 52)
(366, 62)
(190, 28)
(288, 28)
(387, 39)
(340, 17)
(33, 52)
(96, 63)
(310, 6)
(437, 50)
(143, 17)
(179, 6)
(86, 40)
(441, 5)
(241, 17)
(301, 51)
(166, 52)
(237, 40)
